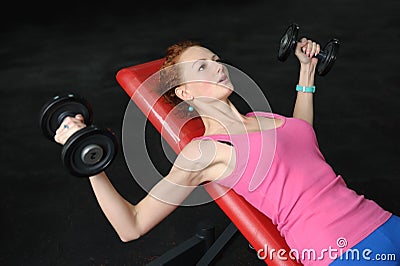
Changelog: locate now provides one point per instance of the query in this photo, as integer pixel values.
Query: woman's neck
(221, 117)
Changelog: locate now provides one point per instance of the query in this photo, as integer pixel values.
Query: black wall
(52, 218)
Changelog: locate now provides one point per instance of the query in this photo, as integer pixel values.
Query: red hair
(170, 76)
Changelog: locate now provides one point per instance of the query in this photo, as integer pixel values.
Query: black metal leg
(199, 250)
(218, 245)
(189, 251)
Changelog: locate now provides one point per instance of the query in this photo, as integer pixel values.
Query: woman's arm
(132, 221)
(119, 212)
(305, 50)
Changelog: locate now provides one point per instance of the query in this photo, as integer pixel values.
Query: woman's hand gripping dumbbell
(87, 150)
(326, 56)
(68, 127)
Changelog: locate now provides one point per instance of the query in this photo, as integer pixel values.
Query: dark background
(49, 217)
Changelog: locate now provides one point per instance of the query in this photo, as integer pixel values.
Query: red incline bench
(255, 227)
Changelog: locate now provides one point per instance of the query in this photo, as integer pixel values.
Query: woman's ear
(183, 93)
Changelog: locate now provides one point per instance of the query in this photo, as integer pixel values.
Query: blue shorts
(381, 247)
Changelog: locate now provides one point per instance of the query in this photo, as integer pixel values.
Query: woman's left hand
(305, 50)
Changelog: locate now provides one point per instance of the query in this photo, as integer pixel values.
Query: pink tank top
(284, 175)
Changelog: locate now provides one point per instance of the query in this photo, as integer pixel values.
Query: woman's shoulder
(266, 114)
(204, 158)
(278, 121)
(197, 152)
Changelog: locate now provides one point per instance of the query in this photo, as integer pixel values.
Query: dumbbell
(326, 57)
(89, 150)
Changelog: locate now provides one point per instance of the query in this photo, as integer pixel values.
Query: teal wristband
(305, 88)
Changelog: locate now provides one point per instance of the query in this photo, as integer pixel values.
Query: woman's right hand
(69, 126)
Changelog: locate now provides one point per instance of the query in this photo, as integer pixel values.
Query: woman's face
(203, 76)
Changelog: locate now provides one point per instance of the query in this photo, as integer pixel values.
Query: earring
(190, 108)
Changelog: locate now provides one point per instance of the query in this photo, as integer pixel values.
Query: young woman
(311, 205)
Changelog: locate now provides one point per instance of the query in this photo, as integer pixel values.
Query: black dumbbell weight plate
(55, 110)
(288, 42)
(89, 151)
(331, 50)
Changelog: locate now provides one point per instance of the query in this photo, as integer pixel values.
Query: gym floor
(49, 217)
